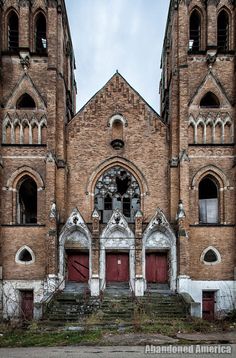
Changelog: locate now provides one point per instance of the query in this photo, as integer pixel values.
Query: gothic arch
(22, 171)
(202, 16)
(223, 185)
(117, 117)
(117, 161)
(75, 230)
(158, 236)
(214, 172)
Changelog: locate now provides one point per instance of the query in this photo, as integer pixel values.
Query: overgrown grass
(48, 339)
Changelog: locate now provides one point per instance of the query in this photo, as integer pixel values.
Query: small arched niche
(25, 102)
(210, 100)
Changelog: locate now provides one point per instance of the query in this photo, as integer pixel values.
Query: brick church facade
(117, 193)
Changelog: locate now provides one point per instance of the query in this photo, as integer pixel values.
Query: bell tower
(197, 101)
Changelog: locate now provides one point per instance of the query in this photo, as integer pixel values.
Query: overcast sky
(123, 35)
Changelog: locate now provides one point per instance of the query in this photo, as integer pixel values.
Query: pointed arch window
(25, 256)
(13, 31)
(117, 189)
(40, 34)
(210, 100)
(195, 31)
(27, 201)
(210, 256)
(223, 31)
(208, 201)
(25, 102)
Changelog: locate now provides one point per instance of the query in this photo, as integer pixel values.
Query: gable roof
(110, 81)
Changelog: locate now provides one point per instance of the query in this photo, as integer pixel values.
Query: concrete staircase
(113, 309)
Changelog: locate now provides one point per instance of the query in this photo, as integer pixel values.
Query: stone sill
(211, 145)
(23, 225)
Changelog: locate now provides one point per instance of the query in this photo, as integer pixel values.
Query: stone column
(51, 220)
(183, 249)
(94, 255)
(139, 279)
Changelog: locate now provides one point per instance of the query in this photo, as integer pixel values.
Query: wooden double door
(117, 267)
(78, 267)
(157, 267)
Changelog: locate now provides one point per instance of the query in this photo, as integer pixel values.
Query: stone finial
(53, 211)
(95, 220)
(25, 60)
(180, 212)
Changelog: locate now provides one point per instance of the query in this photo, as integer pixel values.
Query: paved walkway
(104, 352)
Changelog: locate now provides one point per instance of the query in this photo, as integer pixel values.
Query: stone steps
(67, 306)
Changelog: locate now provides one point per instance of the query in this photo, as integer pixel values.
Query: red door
(78, 267)
(208, 305)
(27, 305)
(117, 267)
(157, 267)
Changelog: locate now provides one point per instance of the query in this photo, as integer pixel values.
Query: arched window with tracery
(195, 31)
(13, 31)
(40, 33)
(208, 201)
(117, 188)
(27, 201)
(223, 31)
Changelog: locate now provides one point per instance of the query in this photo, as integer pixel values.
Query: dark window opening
(25, 102)
(210, 256)
(208, 201)
(13, 31)
(27, 202)
(41, 34)
(194, 31)
(25, 256)
(223, 32)
(210, 100)
(107, 203)
(122, 182)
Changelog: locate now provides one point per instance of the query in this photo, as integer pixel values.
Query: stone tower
(37, 91)
(198, 103)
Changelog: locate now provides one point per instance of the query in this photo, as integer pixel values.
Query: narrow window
(27, 201)
(107, 203)
(223, 31)
(210, 100)
(117, 135)
(25, 102)
(194, 31)
(40, 34)
(13, 31)
(208, 201)
(127, 207)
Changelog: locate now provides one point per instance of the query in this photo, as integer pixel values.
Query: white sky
(123, 35)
